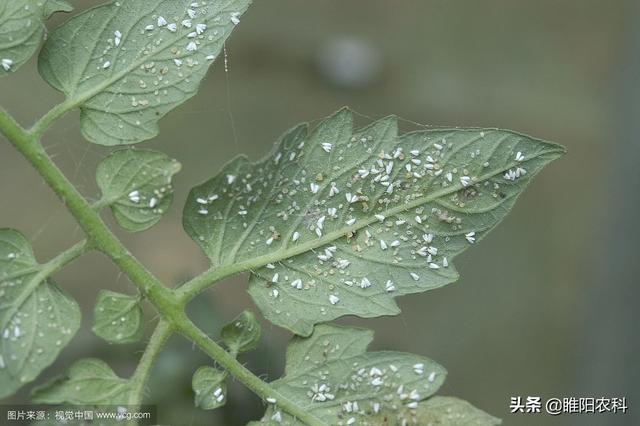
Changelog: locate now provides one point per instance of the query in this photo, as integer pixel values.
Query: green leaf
(22, 29)
(88, 382)
(37, 319)
(128, 63)
(242, 334)
(339, 222)
(343, 384)
(450, 411)
(117, 317)
(137, 186)
(209, 388)
(326, 343)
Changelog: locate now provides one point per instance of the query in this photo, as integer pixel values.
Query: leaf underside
(37, 319)
(209, 388)
(89, 381)
(339, 222)
(331, 376)
(128, 63)
(242, 334)
(117, 317)
(136, 184)
(22, 29)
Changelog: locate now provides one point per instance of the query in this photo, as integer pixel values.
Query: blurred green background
(546, 306)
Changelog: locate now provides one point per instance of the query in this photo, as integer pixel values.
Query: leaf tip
(345, 113)
(552, 148)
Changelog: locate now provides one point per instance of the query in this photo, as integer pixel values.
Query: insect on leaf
(37, 319)
(22, 29)
(137, 186)
(343, 385)
(338, 221)
(210, 391)
(88, 382)
(128, 63)
(117, 317)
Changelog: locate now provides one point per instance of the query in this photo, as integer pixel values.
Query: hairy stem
(140, 377)
(169, 305)
(66, 257)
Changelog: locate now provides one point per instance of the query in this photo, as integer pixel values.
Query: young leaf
(37, 319)
(137, 186)
(117, 318)
(88, 382)
(346, 385)
(128, 63)
(450, 411)
(22, 29)
(242, 334)
(209, 388)
(336, 222)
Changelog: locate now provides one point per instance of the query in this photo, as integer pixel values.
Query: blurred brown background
(546, 306)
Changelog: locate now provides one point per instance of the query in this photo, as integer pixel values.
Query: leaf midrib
(39, 278)
(286, 241)
(257, 262)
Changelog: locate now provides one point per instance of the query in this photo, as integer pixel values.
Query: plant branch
(166, 301)
(66, 257)
(43, 124)
(140, 377)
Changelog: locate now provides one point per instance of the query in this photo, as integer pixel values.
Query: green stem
(140, 377)
(63, 259)
(101, 204)
(166, 301)
(66, 257)
(43, 124)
